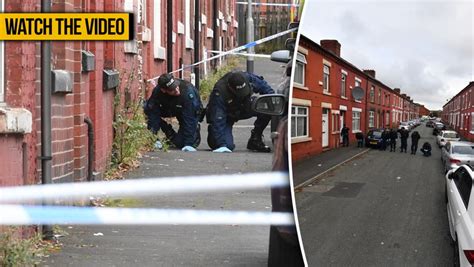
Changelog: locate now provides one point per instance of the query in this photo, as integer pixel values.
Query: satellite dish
(357, 93)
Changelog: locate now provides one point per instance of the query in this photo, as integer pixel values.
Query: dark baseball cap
(238, 83)
(167, 82)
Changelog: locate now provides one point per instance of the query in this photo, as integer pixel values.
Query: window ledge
(15, 120)
(295, 140)
(357, 101)
(356, 131)
(343, 97)
(300, 86)
(326, 93)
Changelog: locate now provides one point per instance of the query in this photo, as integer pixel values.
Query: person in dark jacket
(415, 137)
(175, 98)
(393, 140)
(385, 139)
(345, 135)
(229, 102)
(360, 139)
(426, 149)
(403, 140)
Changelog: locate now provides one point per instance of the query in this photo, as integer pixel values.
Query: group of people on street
(230, 101)
(389, 138)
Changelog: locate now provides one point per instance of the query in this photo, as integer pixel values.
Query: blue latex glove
(158, 144)
(222, 149)
(188, 149)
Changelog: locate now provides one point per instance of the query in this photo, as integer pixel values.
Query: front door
(325, 127)
(342, 122)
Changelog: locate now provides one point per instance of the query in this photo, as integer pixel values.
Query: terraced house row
(325, 99)
(459, 112)
(169, 34)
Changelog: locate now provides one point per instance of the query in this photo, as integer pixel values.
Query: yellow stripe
(66, 26)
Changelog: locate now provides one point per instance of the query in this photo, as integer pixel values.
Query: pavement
(307, 170)
(184, 245)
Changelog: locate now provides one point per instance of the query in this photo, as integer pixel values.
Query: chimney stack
(332, 45)
(397, 90)
(371, 73)
(404, 95)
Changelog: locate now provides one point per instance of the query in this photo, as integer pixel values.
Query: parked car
(438, 126)
(405, 125)
(430, 124)
(374, 138)
(460, 210)
(456, 153)
(445, 136)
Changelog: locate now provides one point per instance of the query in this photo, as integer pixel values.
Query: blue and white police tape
(248, 45)
(242, 54)
(31, 215)
(269, 4)
(141, 187)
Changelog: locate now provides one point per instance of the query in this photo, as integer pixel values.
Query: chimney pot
(371, 73)
(332, 45)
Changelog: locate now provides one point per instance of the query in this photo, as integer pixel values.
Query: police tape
(60, 215)
(141, 187)
(237, 49)
(242, 54)
(269, 4)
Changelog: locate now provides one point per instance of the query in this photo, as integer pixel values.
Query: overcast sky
(423, 47)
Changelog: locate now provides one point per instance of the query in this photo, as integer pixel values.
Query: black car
(374, 138)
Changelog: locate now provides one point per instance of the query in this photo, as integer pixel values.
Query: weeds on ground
(131, 136)
(18, 251)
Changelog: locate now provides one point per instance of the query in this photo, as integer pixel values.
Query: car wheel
(281, 252)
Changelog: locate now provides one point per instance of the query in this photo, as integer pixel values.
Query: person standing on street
(415, 137)
(345, 135)
(360, 139)
(403, 138)
(393, 139)
(231, 101)
(175, 98)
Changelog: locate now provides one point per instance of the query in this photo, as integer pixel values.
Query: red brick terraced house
(97, 71)
(459, 112)
(378, 99)
(423, 111)
(397, 107)
(322, 99)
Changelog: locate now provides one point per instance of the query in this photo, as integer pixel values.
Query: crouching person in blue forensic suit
(175, 98)
(229, 102)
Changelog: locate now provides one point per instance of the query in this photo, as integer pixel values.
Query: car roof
(461, 143)
(448, 131)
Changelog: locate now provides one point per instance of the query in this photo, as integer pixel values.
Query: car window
(463, 182)
(450, 135)
(466, 150)
(377, 134)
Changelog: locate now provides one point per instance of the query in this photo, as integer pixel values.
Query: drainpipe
(169, 35)
(46, 155)
(90, 148)
(197, 15)
(215, 39)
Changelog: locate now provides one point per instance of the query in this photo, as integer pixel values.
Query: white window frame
(371, 119)
(343, 84)
(300, 61)
(326, 79)
(472, 123)
(187, 24)
(372, 94)
(356, 120)
(294, 118)
(159, 51)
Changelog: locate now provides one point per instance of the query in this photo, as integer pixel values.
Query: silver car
(456, 153)
(445, 136)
